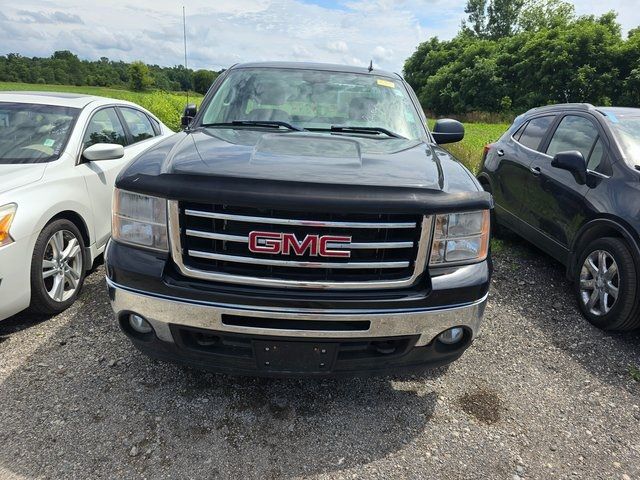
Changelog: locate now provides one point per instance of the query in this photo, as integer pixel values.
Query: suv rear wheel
(606, 285)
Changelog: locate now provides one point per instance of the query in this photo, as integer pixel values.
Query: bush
(581, 59)
(140, 79)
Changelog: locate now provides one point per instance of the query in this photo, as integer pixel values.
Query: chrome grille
(211, 242)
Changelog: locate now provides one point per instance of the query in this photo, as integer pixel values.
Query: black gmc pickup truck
(305, 222)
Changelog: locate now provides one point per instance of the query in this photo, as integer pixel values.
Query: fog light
(139, 324)
(451, 336)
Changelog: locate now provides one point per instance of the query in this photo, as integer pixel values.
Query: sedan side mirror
(447, 130)
(103, 151)
(189, 112)
(572, 161)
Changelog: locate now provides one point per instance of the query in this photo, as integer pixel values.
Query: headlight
(139, 220)
(460, 238)
(7, 214)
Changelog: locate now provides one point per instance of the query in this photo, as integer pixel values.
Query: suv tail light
(487, 147)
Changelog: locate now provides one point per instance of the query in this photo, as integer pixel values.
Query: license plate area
(295, 357)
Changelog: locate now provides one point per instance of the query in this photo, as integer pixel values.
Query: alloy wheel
(62, 265)
(599, 282)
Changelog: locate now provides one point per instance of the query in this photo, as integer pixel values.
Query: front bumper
(410, 332)
(15, 280)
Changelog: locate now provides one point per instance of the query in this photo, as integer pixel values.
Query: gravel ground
(541, 394)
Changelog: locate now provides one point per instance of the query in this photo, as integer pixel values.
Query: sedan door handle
(500, 153)
(535, 170)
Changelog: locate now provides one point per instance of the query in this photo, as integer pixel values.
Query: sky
(221, 33)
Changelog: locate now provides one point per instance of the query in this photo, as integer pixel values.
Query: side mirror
(189, 112)
(103, 151)
(572, 161)
(447, 130)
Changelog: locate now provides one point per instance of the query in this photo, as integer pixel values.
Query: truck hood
(311, 172)
(18, 175)
(308, 157)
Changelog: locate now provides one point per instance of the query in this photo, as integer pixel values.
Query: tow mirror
(572, 161)
(447, 130)
(189, 112)
(103, 151)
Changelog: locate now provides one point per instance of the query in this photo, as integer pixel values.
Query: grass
(167, 106)
(477, 135)
(634, 372)
(497, 246)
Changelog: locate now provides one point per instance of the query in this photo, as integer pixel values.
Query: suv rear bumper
(412, 333)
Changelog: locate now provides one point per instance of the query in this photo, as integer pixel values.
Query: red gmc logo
(287, 244)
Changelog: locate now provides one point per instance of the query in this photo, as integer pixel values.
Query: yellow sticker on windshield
(386, 83)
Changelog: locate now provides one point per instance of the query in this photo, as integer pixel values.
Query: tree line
(512, 55)
(65, 68)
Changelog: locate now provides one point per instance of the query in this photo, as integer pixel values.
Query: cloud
(628, 11)
(382, 54)
(53, 17)
(219, 33)
(222, 33)
(338, 46)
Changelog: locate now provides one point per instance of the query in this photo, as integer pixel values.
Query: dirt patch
(485, 405)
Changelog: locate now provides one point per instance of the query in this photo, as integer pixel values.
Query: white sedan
(59, 157)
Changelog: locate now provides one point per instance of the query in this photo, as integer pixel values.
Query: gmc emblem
(287, 244)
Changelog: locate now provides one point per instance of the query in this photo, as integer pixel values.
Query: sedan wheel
(57, 267)
(62, 266)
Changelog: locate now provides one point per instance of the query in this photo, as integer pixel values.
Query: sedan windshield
(316, 100)
(31, 133)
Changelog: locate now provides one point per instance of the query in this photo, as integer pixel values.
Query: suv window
(535, 131)
(104, 127)
(596, 159)
(573, 133)
(516, 136)
(578, 133)
(138, 124)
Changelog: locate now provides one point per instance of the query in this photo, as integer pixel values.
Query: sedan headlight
(460, 238)
(139, 220)
(7, 214)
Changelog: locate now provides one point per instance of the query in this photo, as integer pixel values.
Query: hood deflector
(304, 196)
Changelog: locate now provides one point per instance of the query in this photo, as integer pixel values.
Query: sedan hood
(18, 175)
(306, 157)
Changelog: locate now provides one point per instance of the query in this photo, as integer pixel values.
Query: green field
(477, 135)
(167, 106)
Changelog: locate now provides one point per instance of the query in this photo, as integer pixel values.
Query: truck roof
(318, 66)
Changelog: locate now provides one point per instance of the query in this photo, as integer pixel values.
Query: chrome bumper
(162, 311)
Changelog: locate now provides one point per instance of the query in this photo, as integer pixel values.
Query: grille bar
(295, 264)
(388, 250)
(356, 245)
(290, 221)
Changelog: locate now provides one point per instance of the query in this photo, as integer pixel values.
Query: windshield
(31, 133)
(627, 131)
(315, 100)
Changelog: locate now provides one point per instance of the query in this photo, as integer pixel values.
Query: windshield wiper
(356, 129)
(255, 123)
